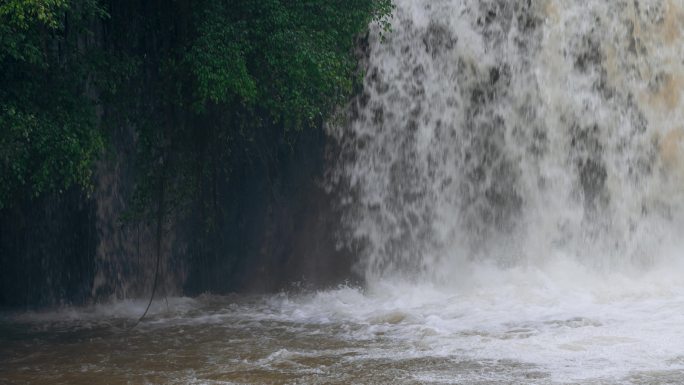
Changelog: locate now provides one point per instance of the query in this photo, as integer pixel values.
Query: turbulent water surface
(512, 176)
(537, 332)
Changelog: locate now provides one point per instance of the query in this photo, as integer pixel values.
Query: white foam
(566, 321)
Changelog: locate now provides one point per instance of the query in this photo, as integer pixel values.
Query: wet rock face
(592, 178)
(589, 55)
(47, 249)
(437, 39)
(491, 199)
(587, 154)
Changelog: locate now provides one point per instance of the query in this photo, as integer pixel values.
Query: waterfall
(515, 133)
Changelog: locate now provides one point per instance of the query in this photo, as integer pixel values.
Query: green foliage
(218, 62)
(293, 60)
(45, 149)
(237, 81)
(48, 137)
(24, 14)
(207, 85)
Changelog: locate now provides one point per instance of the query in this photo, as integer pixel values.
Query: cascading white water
(516, 133)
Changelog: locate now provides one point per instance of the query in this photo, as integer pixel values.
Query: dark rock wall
(276, 229)
(47, 250)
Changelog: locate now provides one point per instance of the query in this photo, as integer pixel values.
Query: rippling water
(515, 326)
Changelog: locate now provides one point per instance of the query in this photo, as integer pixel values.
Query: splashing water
(514, 174)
